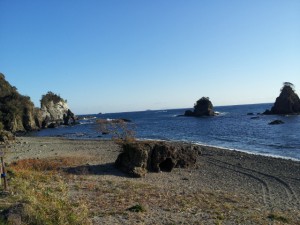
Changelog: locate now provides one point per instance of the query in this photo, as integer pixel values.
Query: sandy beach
(226, 187)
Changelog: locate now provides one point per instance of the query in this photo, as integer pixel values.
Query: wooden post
(1, 171)
(3, 175)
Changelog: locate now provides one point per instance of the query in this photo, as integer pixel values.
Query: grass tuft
(136, 208)
(276, 217)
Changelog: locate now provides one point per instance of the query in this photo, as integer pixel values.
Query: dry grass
(37, 184)
(52, 196)
(110, 197)
(49, 164)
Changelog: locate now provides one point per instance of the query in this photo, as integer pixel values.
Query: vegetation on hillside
(288, 85)
(13, 106)
(50, 96)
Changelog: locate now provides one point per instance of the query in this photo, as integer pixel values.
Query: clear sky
(129, 55)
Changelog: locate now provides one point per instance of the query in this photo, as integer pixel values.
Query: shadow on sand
(103, 169)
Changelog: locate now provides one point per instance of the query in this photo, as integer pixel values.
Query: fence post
(4, 175)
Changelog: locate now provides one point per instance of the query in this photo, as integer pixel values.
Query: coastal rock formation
(6, 136)
(17, 112)
(69, 118)
(139, 157)
(55, 111)
(288, 101)
(203, 107)
(276, 122)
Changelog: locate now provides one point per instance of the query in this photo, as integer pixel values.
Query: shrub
(50, 96)
(136, 208)
(119, 129)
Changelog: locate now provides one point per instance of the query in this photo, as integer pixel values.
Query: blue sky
(117, 55)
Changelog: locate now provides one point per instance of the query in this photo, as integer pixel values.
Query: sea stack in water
(203, 107)
(288, 101)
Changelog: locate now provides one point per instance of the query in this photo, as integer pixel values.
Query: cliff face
(203, 107)
(16, 111)
(18, 114)
(287, 102)
(55, 110)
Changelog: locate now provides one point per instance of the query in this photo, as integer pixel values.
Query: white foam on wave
(88, 118)
(86, 122)
(224, 148)
(248, 152)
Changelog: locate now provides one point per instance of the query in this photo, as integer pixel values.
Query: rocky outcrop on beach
(139, 157)
(6, 136)
(55, 111)
(287, 102)
(203, 107)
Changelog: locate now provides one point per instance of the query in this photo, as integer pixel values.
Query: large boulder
(203, 107)
(69, 118)
(287, 102)
(276, 122)
(6, 136)
(139, 157)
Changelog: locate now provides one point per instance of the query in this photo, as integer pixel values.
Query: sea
(239, 127)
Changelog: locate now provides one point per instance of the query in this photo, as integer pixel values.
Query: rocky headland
(18, 113)
(203, 107)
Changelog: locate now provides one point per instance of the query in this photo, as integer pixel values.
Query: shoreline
(250, 153)
(178, 141)
(243, 188)
(220, 147)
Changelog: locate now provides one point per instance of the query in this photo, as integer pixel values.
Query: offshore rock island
(203, 107)
(287, 102)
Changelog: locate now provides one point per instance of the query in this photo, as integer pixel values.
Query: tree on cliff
(50, 96)
(287, 84)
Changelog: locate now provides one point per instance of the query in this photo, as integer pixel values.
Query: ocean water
(232, 129)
